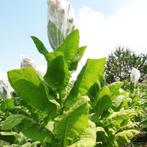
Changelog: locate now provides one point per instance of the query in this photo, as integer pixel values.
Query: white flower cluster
(27, 62)
(135, 75)
(3, 90)
(60, 21)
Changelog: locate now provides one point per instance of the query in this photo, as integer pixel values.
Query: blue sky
(19, 19)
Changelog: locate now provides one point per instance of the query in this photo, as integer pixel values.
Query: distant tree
(120, 63)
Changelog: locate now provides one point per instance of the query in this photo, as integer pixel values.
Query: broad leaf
(27, 127)
(78, 56)
(125, 136)
(105, 92)
(28, 86)
(72, 123)
(12, 121)
(91, 72)
(103, 101)
(39, 45)
(118, 100)
(70, 46)
(114, 87)
(102, 135)
(122, 116)
(87, 138)
(35, 131)
(57, 75)
(103, 105)
(93, 92)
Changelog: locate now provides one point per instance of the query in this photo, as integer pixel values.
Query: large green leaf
(125, 136)
(87, 138)
(72, 123)
(35, 132)
(28, 86)
(114, 87)
(70, 46)
(78, 56)
(91, 72)
(102, 135)
(93, 93)
(12, 121)
(103, 105)
(119, 118)
(119, 100)
(103, 101)
(57, 75)
(105, 91)
(39, 45)
(27, 127)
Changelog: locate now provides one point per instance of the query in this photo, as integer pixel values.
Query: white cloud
(126, 27)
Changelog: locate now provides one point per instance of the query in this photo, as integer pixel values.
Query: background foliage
(120, 63)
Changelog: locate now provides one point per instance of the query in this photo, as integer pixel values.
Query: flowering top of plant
(3, 90)
(26, 62)
(135, 75)
(61, 21)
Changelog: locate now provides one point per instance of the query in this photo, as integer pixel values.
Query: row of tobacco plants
(54, 111)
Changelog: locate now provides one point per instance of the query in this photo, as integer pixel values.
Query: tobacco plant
(51, 115)
(53, 111)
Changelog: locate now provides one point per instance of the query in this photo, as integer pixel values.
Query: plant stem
(61, 102)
